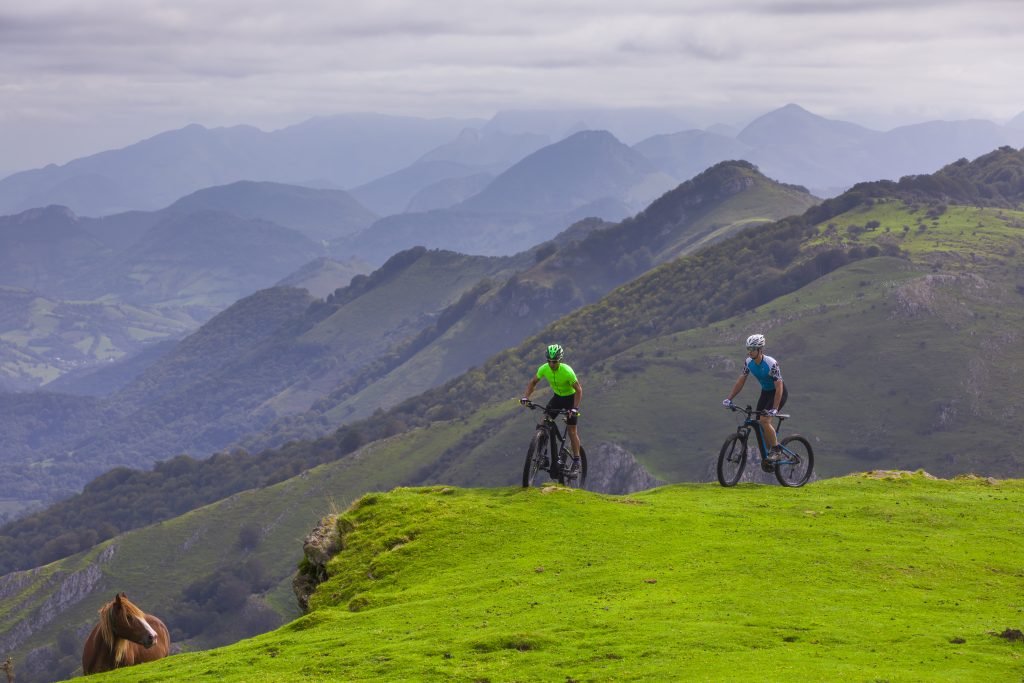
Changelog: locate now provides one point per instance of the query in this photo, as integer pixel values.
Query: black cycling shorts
(562, 403)
(767, 398)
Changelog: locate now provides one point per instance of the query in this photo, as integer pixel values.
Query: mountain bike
(549, 439)
(793, 469)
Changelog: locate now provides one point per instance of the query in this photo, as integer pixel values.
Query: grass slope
(156, 564)
(850, 579)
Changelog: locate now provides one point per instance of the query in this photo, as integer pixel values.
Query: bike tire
(537, 451)
(579, 481)
(796, 474)
(731, 460)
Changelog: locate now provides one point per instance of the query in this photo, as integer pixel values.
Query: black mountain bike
(792, 469)
(548, 440)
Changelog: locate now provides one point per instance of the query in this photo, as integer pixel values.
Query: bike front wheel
(575, 480)
(536, 454)
(731, 460)
(796, 467)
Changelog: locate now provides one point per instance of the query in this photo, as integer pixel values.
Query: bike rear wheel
(535, 455)
(578, 480)
(795, 469)
(731, 460)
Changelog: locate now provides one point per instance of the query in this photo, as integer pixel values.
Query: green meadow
(859, 578)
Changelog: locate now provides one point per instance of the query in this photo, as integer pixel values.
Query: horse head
(125, 621)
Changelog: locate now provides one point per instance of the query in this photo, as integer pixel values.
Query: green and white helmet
(555, 352)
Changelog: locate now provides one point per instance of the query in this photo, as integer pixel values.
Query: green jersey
(561, 380)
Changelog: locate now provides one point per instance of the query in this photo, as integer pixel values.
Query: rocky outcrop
(613, 469)
(323, 543)
(63, 591)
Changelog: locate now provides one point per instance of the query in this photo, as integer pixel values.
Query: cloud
(128, 66)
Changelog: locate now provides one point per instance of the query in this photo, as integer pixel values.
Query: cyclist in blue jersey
(773, 389)
(567, 395)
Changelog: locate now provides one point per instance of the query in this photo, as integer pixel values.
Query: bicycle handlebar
(750, 411)
(562, 411)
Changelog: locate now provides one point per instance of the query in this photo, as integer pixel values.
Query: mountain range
(117, 284)
(857, 295)
(387, 160)
(829, 156)
(333, 151)
(587, 174)
(280, 360)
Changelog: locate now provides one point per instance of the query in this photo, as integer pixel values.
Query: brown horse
(125, 636)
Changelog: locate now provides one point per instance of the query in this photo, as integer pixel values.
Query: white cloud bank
(77, 77)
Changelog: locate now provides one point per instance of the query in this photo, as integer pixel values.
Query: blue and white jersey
(767, 371)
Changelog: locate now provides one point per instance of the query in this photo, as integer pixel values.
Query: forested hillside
(280, 365)
(857, 296)
(270, 354)
(576, 268)
(725, 279)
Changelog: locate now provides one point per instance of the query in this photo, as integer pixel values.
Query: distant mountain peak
(793, 107)
(586, 165)
(792, 124)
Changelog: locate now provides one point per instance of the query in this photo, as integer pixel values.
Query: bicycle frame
(556, 434)
(559, 451)
(751, 422)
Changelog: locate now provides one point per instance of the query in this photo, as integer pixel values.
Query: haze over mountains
(81, 291)
(359, 151)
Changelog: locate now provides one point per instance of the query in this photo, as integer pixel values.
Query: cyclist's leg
(574, 437)
(765, 401)
(554, 405)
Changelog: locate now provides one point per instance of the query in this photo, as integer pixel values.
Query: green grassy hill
(851, 579)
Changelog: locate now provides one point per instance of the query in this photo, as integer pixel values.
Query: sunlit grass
(848, 579)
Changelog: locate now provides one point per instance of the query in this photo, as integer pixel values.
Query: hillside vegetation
(270, 354)
(851, 579)
(859, 335)
(576, 268)
(729, 278)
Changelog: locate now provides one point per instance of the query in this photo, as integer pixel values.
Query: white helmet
(755, 341)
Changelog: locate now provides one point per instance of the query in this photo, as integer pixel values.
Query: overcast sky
(80, 76)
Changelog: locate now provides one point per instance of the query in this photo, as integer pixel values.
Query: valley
(861, 297)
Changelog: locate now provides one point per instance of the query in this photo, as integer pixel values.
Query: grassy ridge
(848, 579)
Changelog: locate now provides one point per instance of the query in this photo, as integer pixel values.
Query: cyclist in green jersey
(567, 394)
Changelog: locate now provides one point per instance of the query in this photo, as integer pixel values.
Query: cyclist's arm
(530, 387)
(578, 396)
(778, 393)
(738, 387)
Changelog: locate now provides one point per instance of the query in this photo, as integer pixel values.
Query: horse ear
(117, 598)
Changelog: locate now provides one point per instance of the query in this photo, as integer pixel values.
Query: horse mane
(122, 649)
